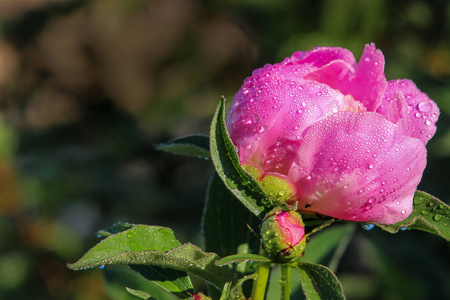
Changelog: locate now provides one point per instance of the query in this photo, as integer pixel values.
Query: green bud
(283, 235)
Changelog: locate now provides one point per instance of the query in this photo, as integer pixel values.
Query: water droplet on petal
(425, 106)
(262, 129)
(361, 191)
(371, 200)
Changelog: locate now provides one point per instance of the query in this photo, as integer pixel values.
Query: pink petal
(293, 228)
(260, 115)
(322, 56)
(303, 64)
(393, 106)
(420, 112)
(336, 74)
(358, 167)
(253, 111)
(369, 83)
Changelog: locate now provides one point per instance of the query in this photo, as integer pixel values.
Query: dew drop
(428, 122)
(403, 211)
(262, 129)
(403, 228)
(418, 115)
(101, 267)
(300, 110)
(425, 106)
(361, 191)
(424, 212)
(371, 166)
(437, 217)
(367, 206)
(368, 226)
(371, 200)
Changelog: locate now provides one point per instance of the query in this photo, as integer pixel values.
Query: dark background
(88, 87)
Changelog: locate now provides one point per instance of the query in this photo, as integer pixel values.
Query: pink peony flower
(350, 143)
(283, 235)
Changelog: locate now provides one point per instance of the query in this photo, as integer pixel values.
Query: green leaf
(225, 214)
(116, 228)
(318, 282)
(242, 257)
(176, 282)
(227, 164)
(226, 293)
(127, 238)
(139, 238)
(193, 145)
(122, 276)
(429, 214)
(138, 293)
(154, 246)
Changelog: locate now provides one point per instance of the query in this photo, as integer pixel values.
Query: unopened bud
(283, 235)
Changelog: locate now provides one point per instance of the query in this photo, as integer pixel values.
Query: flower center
(351, 104)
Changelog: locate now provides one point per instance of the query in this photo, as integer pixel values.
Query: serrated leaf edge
(219, 118)
(413, 220)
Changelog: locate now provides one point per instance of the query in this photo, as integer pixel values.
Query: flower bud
(283, 235)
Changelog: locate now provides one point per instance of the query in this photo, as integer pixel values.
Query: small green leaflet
(193, 145)
(174, 281)
(155, 246)
(242, 257)
(138, 293)
(226, 162)
(318, 282)
(429, 214)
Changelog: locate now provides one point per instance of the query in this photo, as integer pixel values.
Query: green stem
(260, 283)
(285, 282)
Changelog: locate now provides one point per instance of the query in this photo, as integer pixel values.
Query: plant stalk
(285, 282)
(260, 283)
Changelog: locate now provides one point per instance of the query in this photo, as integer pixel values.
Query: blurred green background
(88, 87)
